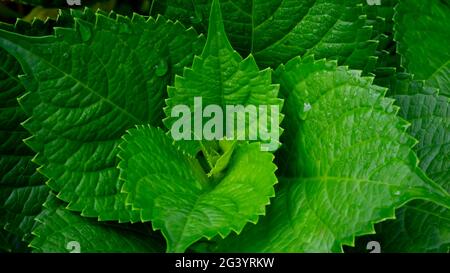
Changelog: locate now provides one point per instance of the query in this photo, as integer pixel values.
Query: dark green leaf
(341, 184)
(62, 231)
(82, 97)
(277, 30)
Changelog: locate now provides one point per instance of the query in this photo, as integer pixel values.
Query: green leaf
(381, 17)
(277, 30)
(82, 96)
(421, 33)
(221, 77)
(421, 30)
(170, 188)
(339, 182)
(22, 190)
(419, 227)
(429, 114)
(59, 229)
(422, 226)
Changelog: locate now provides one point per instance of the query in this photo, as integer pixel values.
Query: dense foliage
(85, 113)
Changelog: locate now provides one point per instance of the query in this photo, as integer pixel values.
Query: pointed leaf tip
(265, 29)
(217, 37)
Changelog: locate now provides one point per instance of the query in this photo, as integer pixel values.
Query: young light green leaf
(63, 231)
(170, 188)
(221, 77)
(82, 97)
(421, 30)
(339, 182)
(277, 30)
(429, 114)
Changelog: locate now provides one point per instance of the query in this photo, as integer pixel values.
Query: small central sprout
(215, 156)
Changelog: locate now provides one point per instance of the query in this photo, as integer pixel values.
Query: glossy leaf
(170, 188)
(339, 183)
(82, 98)
(277, 30)
(219, 76)
(63, 231)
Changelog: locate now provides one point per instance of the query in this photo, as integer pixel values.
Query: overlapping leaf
(421, 31)
(429, 114)
(22, 190)
(422, 226)
(83, 96)
(347, 162)
(63, 231)
(381, 17)
(57, 3)
(339, 182)
(276, 31)
(170, 186)
(422, 34)
(221, 77)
